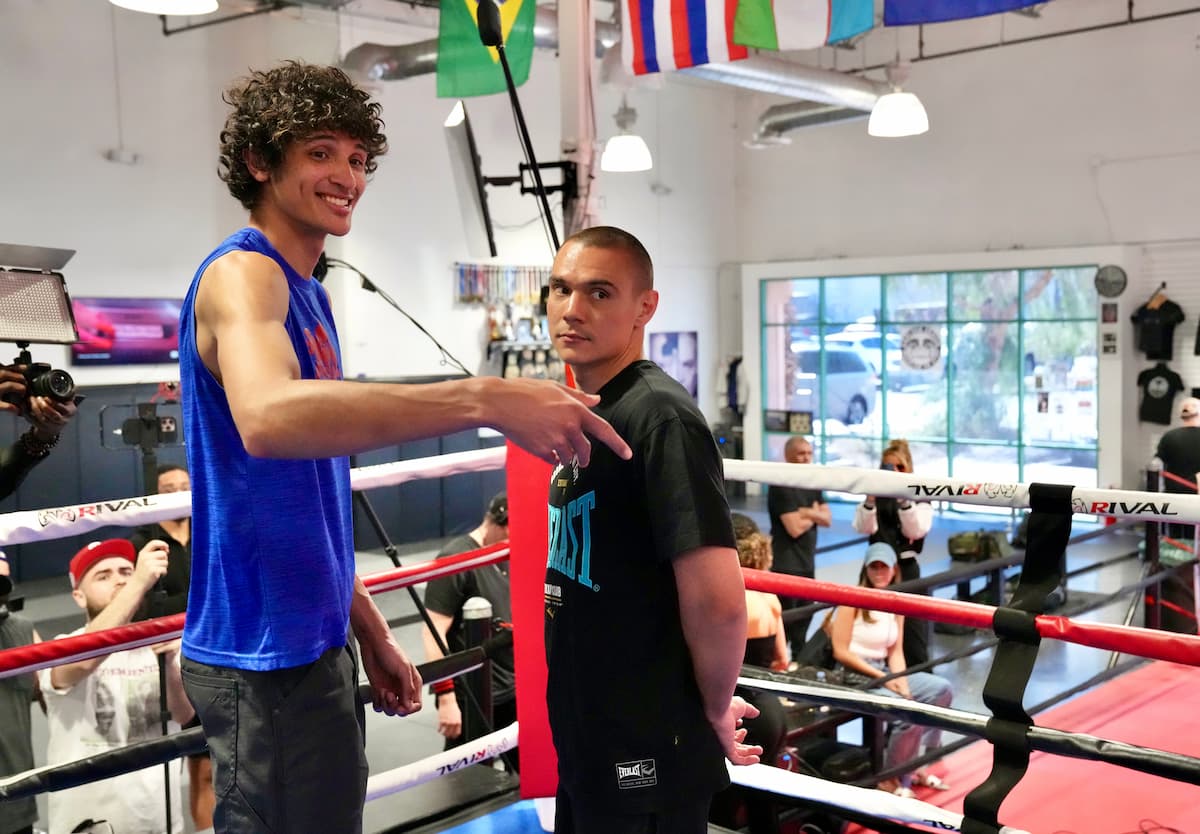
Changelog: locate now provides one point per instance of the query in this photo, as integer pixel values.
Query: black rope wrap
(1004, 693)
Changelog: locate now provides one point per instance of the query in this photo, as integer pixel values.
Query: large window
(987, 374)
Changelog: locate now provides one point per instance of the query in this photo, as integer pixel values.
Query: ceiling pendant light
(190, 8)
(898, 113)
(626, 151)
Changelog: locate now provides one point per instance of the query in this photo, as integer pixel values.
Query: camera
(41, 380)
(890, 467)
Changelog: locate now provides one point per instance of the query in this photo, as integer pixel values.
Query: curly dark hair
(273, 108)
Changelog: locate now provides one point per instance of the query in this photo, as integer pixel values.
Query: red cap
(83, 561)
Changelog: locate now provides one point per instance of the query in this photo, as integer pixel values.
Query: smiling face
(314, 190)
(597, 309)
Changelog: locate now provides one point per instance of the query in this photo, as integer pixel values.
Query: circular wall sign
(1110, 281)
(920, 347)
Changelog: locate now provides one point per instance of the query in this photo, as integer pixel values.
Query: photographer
(48, 418)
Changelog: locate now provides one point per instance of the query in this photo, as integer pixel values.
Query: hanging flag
(908, 12)
(465, 67)
(675, 34)
(800, 24)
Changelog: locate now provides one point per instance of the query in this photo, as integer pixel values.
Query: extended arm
(241, 308)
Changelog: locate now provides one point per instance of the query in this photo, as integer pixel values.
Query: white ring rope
(441, 764)
(1148, 506)
(59, 522)
(863, 800)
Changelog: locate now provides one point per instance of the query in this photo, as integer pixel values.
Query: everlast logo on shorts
(641, 774)
(571, 539)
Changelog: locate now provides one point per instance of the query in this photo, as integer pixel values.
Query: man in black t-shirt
(645, 605)
(1179, 451)
(795, 514)
(444, 599)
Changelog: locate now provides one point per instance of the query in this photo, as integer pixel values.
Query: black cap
(497, 509)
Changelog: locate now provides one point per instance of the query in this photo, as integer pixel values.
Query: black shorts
(688, 818)
(287, 746)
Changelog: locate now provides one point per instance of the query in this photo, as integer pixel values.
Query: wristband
(35, 447)
(442, 687)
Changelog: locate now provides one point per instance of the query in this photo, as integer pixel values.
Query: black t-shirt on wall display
(623, 702)
(1159, 386)
(1154, 329)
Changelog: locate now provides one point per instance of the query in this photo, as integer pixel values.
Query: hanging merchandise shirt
(1154, 329)
(1159, 386)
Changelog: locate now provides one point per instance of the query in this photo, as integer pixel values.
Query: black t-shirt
(1155, 329)
(447, 594)
(1180, 452)
(623, 702)
(792, 555)
(1159, 386)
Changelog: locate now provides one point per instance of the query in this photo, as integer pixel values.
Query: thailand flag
(674, 34)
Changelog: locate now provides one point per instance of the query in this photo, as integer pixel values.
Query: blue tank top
(272, 543)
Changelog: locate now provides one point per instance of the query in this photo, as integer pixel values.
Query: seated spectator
(105, 703)
(871, 644)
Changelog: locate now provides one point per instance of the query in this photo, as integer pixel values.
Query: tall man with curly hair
(268, 660)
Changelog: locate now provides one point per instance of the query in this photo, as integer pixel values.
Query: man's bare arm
(241, 307)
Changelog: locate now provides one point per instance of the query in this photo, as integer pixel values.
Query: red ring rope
(1157, 645)
(25, 659)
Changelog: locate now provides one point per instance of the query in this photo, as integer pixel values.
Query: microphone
(490, 31)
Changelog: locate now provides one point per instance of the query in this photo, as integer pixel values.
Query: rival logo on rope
(70, 514)
(989, 489)
(1121, 508)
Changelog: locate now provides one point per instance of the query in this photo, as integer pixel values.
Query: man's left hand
(732, 734)
(395, 681)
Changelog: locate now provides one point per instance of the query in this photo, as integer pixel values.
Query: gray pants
(287, 745)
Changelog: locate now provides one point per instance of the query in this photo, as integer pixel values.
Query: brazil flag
(465, 67)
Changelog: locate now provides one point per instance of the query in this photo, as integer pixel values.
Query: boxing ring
(1020, 627)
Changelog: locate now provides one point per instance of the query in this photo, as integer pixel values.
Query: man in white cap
(1179, 450)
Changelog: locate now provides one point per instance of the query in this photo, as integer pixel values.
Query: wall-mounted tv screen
(126, 331)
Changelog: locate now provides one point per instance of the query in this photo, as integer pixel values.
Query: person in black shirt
(795, 514)
(171, 595)
(645, 604)
(444, 599)
(1179, 451)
